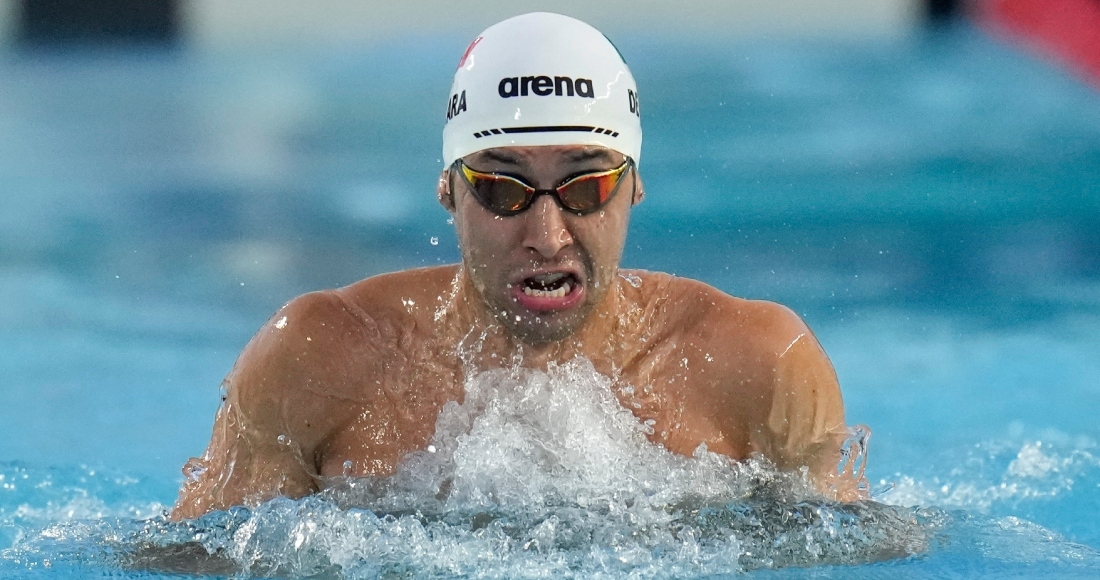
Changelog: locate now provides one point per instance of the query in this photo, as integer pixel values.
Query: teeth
(548, 279)
(561, 292)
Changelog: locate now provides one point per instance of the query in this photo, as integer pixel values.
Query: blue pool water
(930, 205)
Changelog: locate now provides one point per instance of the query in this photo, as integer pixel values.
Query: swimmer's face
(541, 272)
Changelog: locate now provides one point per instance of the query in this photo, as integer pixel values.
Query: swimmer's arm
(240, 467)
(805, 426)
(271, 422)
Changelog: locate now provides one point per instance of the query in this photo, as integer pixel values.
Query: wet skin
(346, 382)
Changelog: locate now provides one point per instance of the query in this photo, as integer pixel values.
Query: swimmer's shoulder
(758, 353)
(318, 326)
(287, 376)
(749, 327)
(323, 347)
(416, 292)
(367, 306)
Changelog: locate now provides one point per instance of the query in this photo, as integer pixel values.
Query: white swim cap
(542, 79)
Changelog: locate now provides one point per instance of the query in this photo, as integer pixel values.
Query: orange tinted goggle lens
(508, 195)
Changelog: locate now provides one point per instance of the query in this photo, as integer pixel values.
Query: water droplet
(281, 324)
(431, 449)
(451, 221)
(434, 241)
(347, 467)
(283, 439)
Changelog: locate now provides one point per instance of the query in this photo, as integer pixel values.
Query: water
(928, 204)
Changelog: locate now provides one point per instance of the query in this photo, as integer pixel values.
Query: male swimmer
(541, 149)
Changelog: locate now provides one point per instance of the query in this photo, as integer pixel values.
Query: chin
(539, 328)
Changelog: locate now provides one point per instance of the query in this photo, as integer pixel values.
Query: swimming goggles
(507, 195)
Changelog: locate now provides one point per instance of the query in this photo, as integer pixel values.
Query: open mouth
(550, 285)
(549, 291)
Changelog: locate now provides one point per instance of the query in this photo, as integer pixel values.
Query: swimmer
(541, 149)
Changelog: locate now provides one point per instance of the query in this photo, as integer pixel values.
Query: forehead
(547, 154)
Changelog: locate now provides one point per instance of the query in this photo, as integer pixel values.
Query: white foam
(544, 474)
(535, 475)
(1037, 470)
(520, 435)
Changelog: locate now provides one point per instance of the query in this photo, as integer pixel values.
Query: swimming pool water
(928, 204)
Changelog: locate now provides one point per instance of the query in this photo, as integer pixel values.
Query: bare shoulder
(765, 380)
(708, 315)
(756, 352)
(312, 329)
(290, 360)
(407, 292)
(306, 368)
(306, 337)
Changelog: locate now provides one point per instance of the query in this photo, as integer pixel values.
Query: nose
(547, 232)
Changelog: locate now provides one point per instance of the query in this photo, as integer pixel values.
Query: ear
(639, 189)
(443, 191)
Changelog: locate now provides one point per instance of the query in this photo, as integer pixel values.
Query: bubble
(434, 241)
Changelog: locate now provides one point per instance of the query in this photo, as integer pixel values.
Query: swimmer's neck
(488, 344)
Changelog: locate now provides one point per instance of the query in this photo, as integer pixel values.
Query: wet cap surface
(542, 79)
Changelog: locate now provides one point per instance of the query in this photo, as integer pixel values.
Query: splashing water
(535, 474)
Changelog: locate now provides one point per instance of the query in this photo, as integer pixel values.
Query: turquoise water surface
(930, 205)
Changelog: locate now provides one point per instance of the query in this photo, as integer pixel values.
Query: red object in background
(1067, 29)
